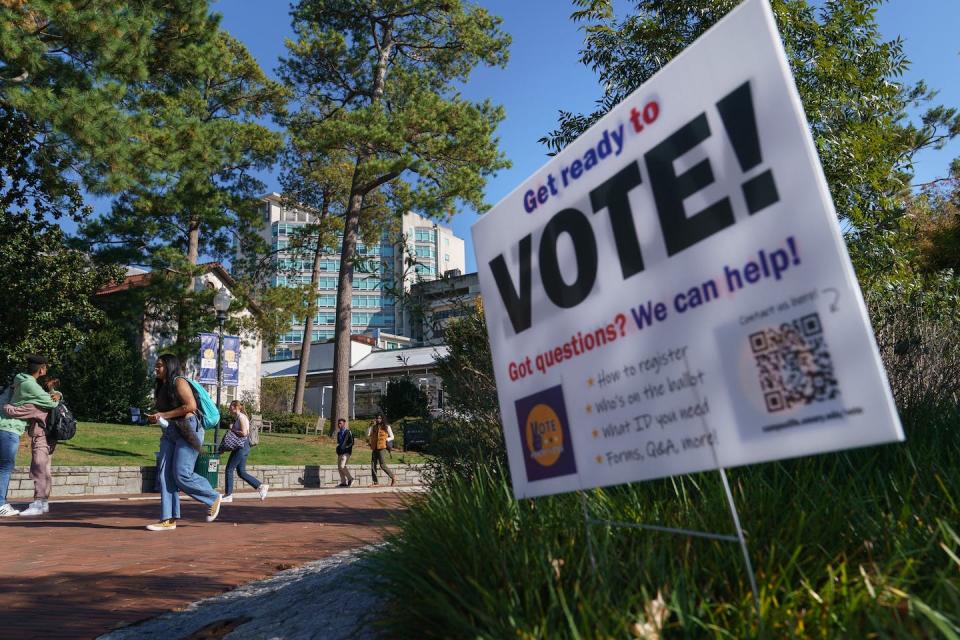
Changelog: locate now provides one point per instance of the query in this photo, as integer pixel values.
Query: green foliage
(847, 76)
(47, 294)
(276, 394)
(935, 214)
(67, 72)
(201, 199)
(201, 196)
(110, 445)
(376, 87)
(290, 422)
(105, 376)
(468, 437)
(879, 557)
(403, 398)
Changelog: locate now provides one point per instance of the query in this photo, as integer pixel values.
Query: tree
(403, 398)
(105, 376)
(936, 214)
(375, 80)
(847, 79)
(201, 197)
(46, 301)
(319, 185)
(66, 72)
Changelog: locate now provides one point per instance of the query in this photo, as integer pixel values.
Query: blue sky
(544, 76)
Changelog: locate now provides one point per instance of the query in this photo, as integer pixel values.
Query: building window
(326, 301)
(281, 353)
(446, 257)
(366, 302)
(424, 235)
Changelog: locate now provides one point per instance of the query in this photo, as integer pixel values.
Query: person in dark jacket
(344, 450)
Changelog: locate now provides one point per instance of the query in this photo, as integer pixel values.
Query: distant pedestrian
(27, 411)
(344, 451)
(180, 445)
(238, 456)
(380, 437)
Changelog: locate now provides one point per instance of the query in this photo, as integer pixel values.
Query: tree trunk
(351, 227)
(341, 349)
(193, 242)
(193, 255)
(307, 331)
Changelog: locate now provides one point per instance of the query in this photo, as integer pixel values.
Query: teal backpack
(207, 411)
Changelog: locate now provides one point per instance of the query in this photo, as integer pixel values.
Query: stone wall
(98, 481)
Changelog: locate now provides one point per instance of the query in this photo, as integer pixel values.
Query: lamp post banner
(208, 358)
(231, 361)
(671, 293)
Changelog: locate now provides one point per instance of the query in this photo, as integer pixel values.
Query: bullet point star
(589, 382)
(589, 409)
(599, 459)
(596, 434)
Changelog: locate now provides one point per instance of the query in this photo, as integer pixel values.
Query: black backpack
(61, 425)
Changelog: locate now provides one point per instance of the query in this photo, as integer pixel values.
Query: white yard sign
(671, 293)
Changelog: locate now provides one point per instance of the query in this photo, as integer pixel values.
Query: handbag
(232, 441)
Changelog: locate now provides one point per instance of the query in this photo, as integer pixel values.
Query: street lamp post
(221, 302)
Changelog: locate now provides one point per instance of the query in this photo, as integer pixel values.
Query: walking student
(238, 457)
(180, 444)
(380, 437)
(344, 451)
(27, 411)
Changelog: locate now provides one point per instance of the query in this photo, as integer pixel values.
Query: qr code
(793, 364)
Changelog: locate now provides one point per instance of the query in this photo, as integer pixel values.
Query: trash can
(208, 464)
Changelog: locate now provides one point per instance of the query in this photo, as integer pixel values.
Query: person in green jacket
(26, 390)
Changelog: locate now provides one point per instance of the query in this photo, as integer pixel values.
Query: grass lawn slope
(111, 445)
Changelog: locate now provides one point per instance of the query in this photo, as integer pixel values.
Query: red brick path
(89, 567)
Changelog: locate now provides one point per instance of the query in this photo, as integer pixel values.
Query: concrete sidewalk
(89, 566)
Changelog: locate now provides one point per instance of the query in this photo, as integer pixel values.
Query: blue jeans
(177, 459)
(238, 461)
(9, 443)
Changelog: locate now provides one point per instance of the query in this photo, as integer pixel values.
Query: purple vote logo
(545, 434)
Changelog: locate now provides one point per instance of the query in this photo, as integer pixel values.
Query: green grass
(111, 445)
(859, 544)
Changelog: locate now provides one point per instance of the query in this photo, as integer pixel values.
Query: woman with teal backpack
(180, 445)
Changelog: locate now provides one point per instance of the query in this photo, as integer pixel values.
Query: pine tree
(199, 198)
(376, 80)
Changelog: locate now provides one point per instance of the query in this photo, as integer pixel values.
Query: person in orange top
(380, 437)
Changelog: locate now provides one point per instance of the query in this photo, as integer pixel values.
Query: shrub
(403, 398)
(290, 422)
(469, 435)
(858, 543)
(276, 394)
(105, 377)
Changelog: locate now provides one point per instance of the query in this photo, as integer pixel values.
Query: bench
(262, 425)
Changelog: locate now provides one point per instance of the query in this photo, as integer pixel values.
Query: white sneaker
(46, 506)
(35, 509)
(164, 525)
(263, 491)
(226, 499)
(8, 510)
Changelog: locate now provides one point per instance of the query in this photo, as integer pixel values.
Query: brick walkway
(89, 567)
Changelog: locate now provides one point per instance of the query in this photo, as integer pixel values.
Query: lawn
(111, 445)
